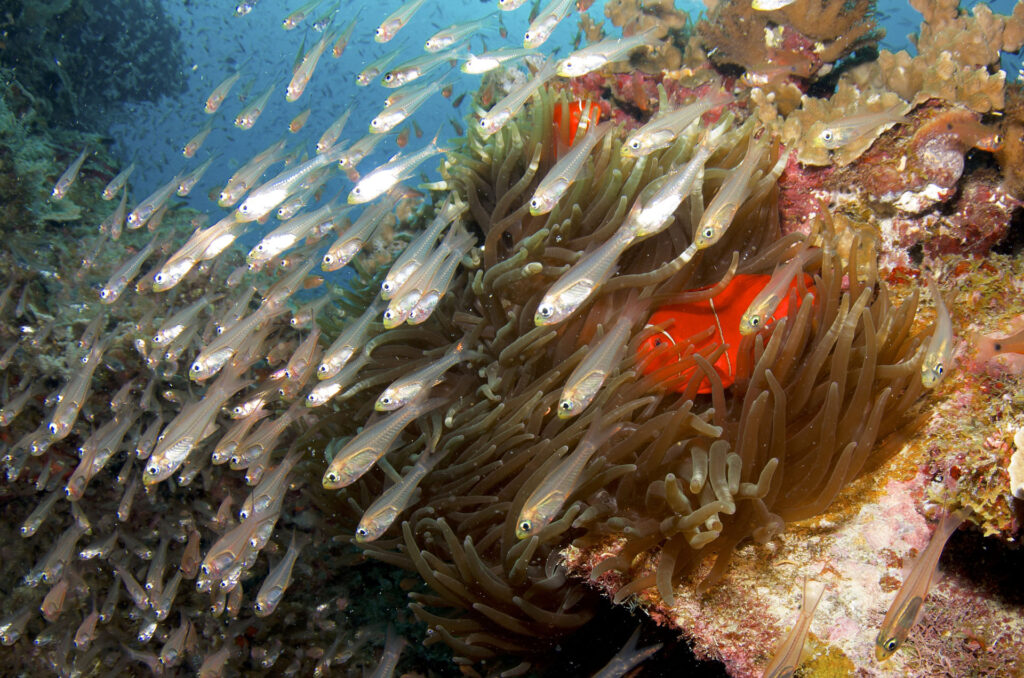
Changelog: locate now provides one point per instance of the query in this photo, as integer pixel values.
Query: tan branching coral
(973, 41)
(803, 128)
(661, 16)
(801, 41)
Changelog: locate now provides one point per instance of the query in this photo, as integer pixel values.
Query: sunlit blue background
(218, 43)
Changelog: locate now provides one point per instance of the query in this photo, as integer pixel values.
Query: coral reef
(73, 55)
(169, 455)
(793, 45)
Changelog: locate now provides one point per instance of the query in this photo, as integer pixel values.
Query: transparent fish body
(503, 111)
(579, 282)
(373, 442)
(565, 172)
(379, 181)
(938, 355)
(593, 57)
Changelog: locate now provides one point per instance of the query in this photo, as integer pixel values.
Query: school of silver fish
(226, 333)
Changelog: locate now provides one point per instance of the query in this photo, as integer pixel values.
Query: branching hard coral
(659, 16)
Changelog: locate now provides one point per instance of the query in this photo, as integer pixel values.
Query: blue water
(218, 43)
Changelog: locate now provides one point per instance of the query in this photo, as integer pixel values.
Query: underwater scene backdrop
(511, 338)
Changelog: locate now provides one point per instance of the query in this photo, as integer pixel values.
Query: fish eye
(332, 477)
(546, 310)
(528, 36)
(535, 204)
(385, 400)
(362, 532)
(755, 321)
(387, 287)
(938, 369)
(388, 77)
(891, 645)
(635, 144)
(708, 232)
(159, 278)
(566, 405)
(328, 259)
(195, 367)
(152, 469)
(205, 569)
(52, 428)
(525, 526)
(826, 135)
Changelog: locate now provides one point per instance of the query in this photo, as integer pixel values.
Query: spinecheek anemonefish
(690, 321)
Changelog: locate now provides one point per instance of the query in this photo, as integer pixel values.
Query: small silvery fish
(907, 606)
(278, 579)
(563, 175)
(938, 355)
(374, 68)
(413, 256)
(579, 282)
(599, 362)
(380, 515)
(379, 181)
(63, 185)
(669, 123)
(786, 659)
(407, 388)
(720, 211)
(118, 182)
(601, 53)
(220, 92)
(456, 33)
(763, 307)
(770, 5)
(361, 453)
(548, 498)
(503, 111)
(544, 25)
(251, 113)
(397, 21)
(838, 133)
(304, 72)
(488, 61)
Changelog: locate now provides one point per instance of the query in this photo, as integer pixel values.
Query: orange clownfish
(703, 326)
(565, 133)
